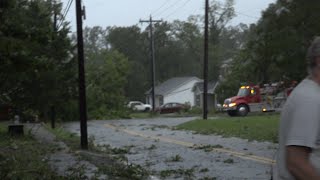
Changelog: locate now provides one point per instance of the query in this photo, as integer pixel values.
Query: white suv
(139, 106)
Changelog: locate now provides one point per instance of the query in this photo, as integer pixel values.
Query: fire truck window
(243, 92)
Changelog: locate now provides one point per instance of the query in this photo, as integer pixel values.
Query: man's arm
(298, 163)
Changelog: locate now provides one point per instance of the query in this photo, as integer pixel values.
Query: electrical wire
(176, 10)
(243, 14)
(65, 10)
(186, 2)
(170, 6)
(165, 3)
(65, 13)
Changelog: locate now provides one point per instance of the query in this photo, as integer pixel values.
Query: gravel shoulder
(62, 160)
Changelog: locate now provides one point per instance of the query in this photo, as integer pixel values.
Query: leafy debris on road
(204, 170)
(228, 161)
(176, 158)
(208, 178)
(152, 147)
(207, 148)
(177, 173)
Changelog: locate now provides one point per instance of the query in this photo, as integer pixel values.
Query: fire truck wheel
(242, 110)
(232, 113)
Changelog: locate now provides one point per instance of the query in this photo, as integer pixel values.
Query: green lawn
(260, 128)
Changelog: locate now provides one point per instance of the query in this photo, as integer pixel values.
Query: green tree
(106, 79)
(277, 45)
(107, 72)
(36, 65)
(133, 43)
(220, 14)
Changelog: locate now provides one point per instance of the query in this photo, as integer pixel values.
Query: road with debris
(175, 154)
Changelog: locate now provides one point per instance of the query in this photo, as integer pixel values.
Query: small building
(178, 89)
(211, 98)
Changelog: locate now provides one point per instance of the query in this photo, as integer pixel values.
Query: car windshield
(243, 92)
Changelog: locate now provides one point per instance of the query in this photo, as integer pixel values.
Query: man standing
(299, 135)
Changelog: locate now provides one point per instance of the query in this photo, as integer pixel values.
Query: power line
(65, 12)
(165, 3)
(170, 6)
(157, 13)
(240, 13)
(243, 14)
(176, 10)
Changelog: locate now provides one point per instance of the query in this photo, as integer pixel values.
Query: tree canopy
(38, 65)
(277, 45)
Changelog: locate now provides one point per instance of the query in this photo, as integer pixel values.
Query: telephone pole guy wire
(152, 57)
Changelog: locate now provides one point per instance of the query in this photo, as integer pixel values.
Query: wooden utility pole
(54, 34)
(152, 57)
(205, 64)
(82, 86)
(54, 16)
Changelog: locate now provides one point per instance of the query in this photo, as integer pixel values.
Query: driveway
(179, 154)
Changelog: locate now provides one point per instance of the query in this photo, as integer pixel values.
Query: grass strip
(259, 128)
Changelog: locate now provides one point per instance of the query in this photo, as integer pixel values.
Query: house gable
(183, 94)
(171, 85)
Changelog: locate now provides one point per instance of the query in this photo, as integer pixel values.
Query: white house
(211, 98)
(178, 89)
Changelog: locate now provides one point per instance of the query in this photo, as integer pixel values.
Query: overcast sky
(128, 12)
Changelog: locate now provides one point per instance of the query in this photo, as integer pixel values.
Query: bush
(195, 110)
(103, 112)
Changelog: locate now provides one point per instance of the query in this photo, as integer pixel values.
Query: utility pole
(152, 57)
(205, 64)
(82, 86)
(54, 16)
(54, 34)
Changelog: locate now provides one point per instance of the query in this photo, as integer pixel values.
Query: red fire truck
(253, 98)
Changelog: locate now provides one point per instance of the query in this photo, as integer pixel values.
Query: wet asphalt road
(158, 148)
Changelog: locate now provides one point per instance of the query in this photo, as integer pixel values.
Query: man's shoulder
(306, 91)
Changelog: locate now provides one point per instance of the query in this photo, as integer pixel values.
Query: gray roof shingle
(211, 86)
(171, 84)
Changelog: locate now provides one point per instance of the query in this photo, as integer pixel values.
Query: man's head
(313, 58)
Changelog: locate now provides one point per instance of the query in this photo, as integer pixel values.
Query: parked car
(139, 106)
(172, 108)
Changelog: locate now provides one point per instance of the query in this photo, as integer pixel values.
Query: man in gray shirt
(299, 135)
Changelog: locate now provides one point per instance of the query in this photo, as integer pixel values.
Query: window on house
(161, 100)
(198, 100)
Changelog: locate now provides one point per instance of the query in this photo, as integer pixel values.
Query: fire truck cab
(253, 98)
